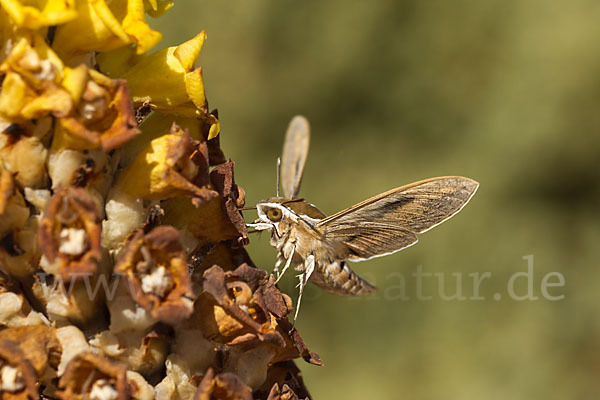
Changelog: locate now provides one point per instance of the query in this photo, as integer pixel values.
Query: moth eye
(274, 214)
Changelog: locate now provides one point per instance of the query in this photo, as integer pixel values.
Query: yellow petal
(105, 14)
(195, 89)
(167, 81)
(56, 101)
(13, 95)
(74, 81)
(37, 13)
(187, 53)
(160, 79)
(106, 25)
(135, 25)
(215, 128)
(116, 63)
(156, 8)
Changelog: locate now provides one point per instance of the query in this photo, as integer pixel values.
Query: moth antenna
(278, 173)
(247, 208)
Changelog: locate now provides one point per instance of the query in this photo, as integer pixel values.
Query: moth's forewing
(390, 221)
(293, 157)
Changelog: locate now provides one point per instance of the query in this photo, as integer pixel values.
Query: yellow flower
(165, 169)
(103, 114)
(31, 88)
(34, 14)
(106, 25)
(167, 79)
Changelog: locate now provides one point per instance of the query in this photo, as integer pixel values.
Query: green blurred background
(506, 92)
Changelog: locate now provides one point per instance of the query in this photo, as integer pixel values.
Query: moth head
(272, 211)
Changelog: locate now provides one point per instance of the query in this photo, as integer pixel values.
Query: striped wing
(390, 222)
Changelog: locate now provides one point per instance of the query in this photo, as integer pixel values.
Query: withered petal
(294, 335)
(254, 277)
(222, 179)
(7, 188)
(285, 393)
(31, 349)
(225, 386)
(283, 379)
(82, 370)
(271, 300)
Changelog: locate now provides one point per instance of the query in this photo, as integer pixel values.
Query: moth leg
(309, 267)
(277, 264)
(287, 264)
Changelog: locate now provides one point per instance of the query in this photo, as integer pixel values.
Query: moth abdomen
(339, 279)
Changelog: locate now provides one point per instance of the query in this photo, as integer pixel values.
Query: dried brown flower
(155, 266)
(69, 234)
(217, 220)
(250, 322)
(103, 115)
(90, 376)
(28, 355)
(225, 386)
(284, 381)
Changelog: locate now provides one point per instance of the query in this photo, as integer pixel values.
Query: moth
(320, 247)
